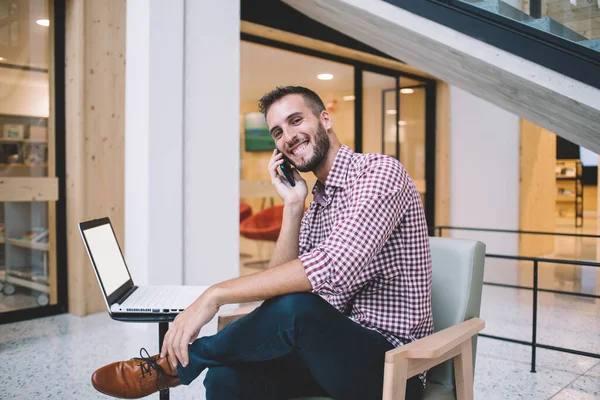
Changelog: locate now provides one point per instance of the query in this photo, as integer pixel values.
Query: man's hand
(291, 196)
(186, 327)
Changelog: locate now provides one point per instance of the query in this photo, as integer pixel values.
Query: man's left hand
(186, 327)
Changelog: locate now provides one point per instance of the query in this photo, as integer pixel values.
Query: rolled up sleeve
(380, 197)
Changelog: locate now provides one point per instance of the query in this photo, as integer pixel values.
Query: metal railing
(535, 289)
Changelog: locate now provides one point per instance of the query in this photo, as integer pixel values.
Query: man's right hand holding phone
(292, 196)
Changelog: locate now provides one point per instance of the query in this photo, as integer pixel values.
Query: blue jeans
(293, 345)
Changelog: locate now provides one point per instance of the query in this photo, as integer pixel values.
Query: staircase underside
(555, 102)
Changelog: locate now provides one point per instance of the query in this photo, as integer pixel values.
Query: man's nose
(289, 135)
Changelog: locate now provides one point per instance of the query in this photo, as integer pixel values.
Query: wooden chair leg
(463, 372)
(394, 380)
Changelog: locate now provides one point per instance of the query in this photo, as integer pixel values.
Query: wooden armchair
(449, 353)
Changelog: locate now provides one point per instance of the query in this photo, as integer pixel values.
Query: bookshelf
(569, 186)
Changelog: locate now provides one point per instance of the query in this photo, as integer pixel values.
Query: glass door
(397, 119)
(28, 179)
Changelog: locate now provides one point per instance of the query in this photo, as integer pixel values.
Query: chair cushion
(438, 392)
(456, 291)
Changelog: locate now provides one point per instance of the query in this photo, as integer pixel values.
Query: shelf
(40, 141)
(565, 199)
(39, 286)
(28, 244)
(21, 165)
(16, 140)
(568, 175)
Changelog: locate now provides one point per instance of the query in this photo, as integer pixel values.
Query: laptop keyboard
(151, 298)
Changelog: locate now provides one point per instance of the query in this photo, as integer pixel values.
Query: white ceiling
(264, 67)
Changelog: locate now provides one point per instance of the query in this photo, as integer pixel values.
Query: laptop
(120, 293)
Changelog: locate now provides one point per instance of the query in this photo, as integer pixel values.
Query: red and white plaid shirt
(364, 244)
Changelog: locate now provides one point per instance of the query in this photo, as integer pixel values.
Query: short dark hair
(311, 99)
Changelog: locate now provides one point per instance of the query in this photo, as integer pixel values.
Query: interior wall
(95, 82)
(211, 142)
(537, 188)
(484, 170)
(154, 141)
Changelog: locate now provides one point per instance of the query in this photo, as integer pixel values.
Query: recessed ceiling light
(1, 58)
(43, 22)
(391, 112)
(402, 123)
(348, 98)
(407, 91)
(325, 77)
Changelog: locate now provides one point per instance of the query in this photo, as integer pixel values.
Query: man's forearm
(279, 280)
(286, 248)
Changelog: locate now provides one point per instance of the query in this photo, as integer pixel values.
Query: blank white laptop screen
(109, 261)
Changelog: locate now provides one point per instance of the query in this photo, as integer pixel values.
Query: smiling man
(349, 279)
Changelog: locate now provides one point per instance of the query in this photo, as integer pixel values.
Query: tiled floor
(55, 357)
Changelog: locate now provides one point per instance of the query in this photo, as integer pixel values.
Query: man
(362, 244)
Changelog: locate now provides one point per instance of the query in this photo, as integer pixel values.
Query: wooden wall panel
(442, 150)
(95, 91)
(537, 188)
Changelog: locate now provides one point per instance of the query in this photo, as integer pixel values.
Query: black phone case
(286, 169)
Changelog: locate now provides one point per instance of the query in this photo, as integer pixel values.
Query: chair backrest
(456, 291)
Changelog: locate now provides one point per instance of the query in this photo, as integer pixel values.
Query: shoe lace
(147, 364)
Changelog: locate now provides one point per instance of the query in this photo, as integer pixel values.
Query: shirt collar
(339, 170)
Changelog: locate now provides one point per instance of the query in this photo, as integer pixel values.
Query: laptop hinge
(126, 295)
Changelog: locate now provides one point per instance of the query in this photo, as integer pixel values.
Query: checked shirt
(364, 245)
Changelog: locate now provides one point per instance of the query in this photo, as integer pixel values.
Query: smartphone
(286, 169)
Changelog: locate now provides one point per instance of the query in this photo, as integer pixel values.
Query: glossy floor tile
(53, 358)
(584, 388)
(497, 378)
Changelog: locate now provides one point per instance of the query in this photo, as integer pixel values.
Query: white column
(212, 148)
(154, 141)
(484, 170)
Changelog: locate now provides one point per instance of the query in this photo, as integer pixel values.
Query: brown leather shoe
(135, 378)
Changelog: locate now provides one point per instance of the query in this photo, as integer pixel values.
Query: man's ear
(326, 120)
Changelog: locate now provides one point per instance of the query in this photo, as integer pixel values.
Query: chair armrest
(238, 313)
(438, 344)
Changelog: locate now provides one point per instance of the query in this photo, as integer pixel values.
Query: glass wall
(263, 69)
(27, 157)
(395, 107)
(391, 106)
(575, 21)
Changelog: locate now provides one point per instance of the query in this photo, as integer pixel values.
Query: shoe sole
(117, 397)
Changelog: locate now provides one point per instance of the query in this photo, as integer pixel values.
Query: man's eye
(297, 121)
(277, 134)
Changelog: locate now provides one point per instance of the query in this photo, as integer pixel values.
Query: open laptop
(120, 293)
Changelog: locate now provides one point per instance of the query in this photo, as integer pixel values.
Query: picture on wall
(256, 133)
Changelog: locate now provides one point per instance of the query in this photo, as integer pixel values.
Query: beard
(320, 148)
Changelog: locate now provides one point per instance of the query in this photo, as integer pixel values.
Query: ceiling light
(391, 112)
(43, 22)
(325, 77)
(348, 98)
(402, 123)
(2, 58)
(407, 91)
